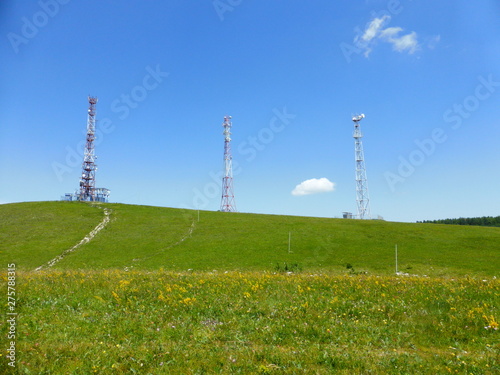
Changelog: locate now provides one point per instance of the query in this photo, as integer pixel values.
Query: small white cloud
(406, 42)
(433, 42)
(313, 186)
(374, 27)
(375, 32)
(390, 32)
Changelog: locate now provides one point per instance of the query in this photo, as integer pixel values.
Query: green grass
(159, 292)
(142, 237)
(159, 322)
(35, 232)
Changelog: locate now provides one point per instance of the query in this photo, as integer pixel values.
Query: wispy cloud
(374, 27)
(313, 186)
(434, 41)
(375, 31)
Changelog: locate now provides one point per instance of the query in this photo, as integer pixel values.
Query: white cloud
(374, 27)
(433, 42)
(375, 32)
(390, 32)
(406, 42)
(313, 186)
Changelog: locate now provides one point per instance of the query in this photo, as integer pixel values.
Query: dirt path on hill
(85, 240)
(181, 240)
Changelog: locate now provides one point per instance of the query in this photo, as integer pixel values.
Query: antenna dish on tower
(358, 118)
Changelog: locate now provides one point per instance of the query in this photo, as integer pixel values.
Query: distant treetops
(485, 221)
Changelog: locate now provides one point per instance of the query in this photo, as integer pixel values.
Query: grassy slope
(86, 319)
(35, 232)
(145, 237)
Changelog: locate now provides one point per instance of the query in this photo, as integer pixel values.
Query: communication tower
(227, 202)
(362, 198)
(87, 181)
(88, 191)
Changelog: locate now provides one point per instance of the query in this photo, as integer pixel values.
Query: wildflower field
(159, 291)
(160, 322)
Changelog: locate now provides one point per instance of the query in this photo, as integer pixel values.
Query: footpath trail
(85, 240)
(181, 240)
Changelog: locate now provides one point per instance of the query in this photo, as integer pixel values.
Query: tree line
(485, 221)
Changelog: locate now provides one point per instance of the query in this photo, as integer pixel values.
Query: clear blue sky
(291, 74)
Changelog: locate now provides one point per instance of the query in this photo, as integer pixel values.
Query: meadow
(158, 291)
(162, 322)
(149, 238)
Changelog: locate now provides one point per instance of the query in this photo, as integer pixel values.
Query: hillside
(143, 237)
(134, 291)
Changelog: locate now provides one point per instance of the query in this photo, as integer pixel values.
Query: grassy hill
(143, 237)
(142, 296)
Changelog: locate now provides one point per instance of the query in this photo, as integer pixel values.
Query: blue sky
(290, 73)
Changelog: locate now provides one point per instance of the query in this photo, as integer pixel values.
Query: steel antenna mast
(362, 198)
(87, 181)
(227, 202)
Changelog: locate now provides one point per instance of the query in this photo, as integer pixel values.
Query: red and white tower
(227, 202)
(87, 181)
